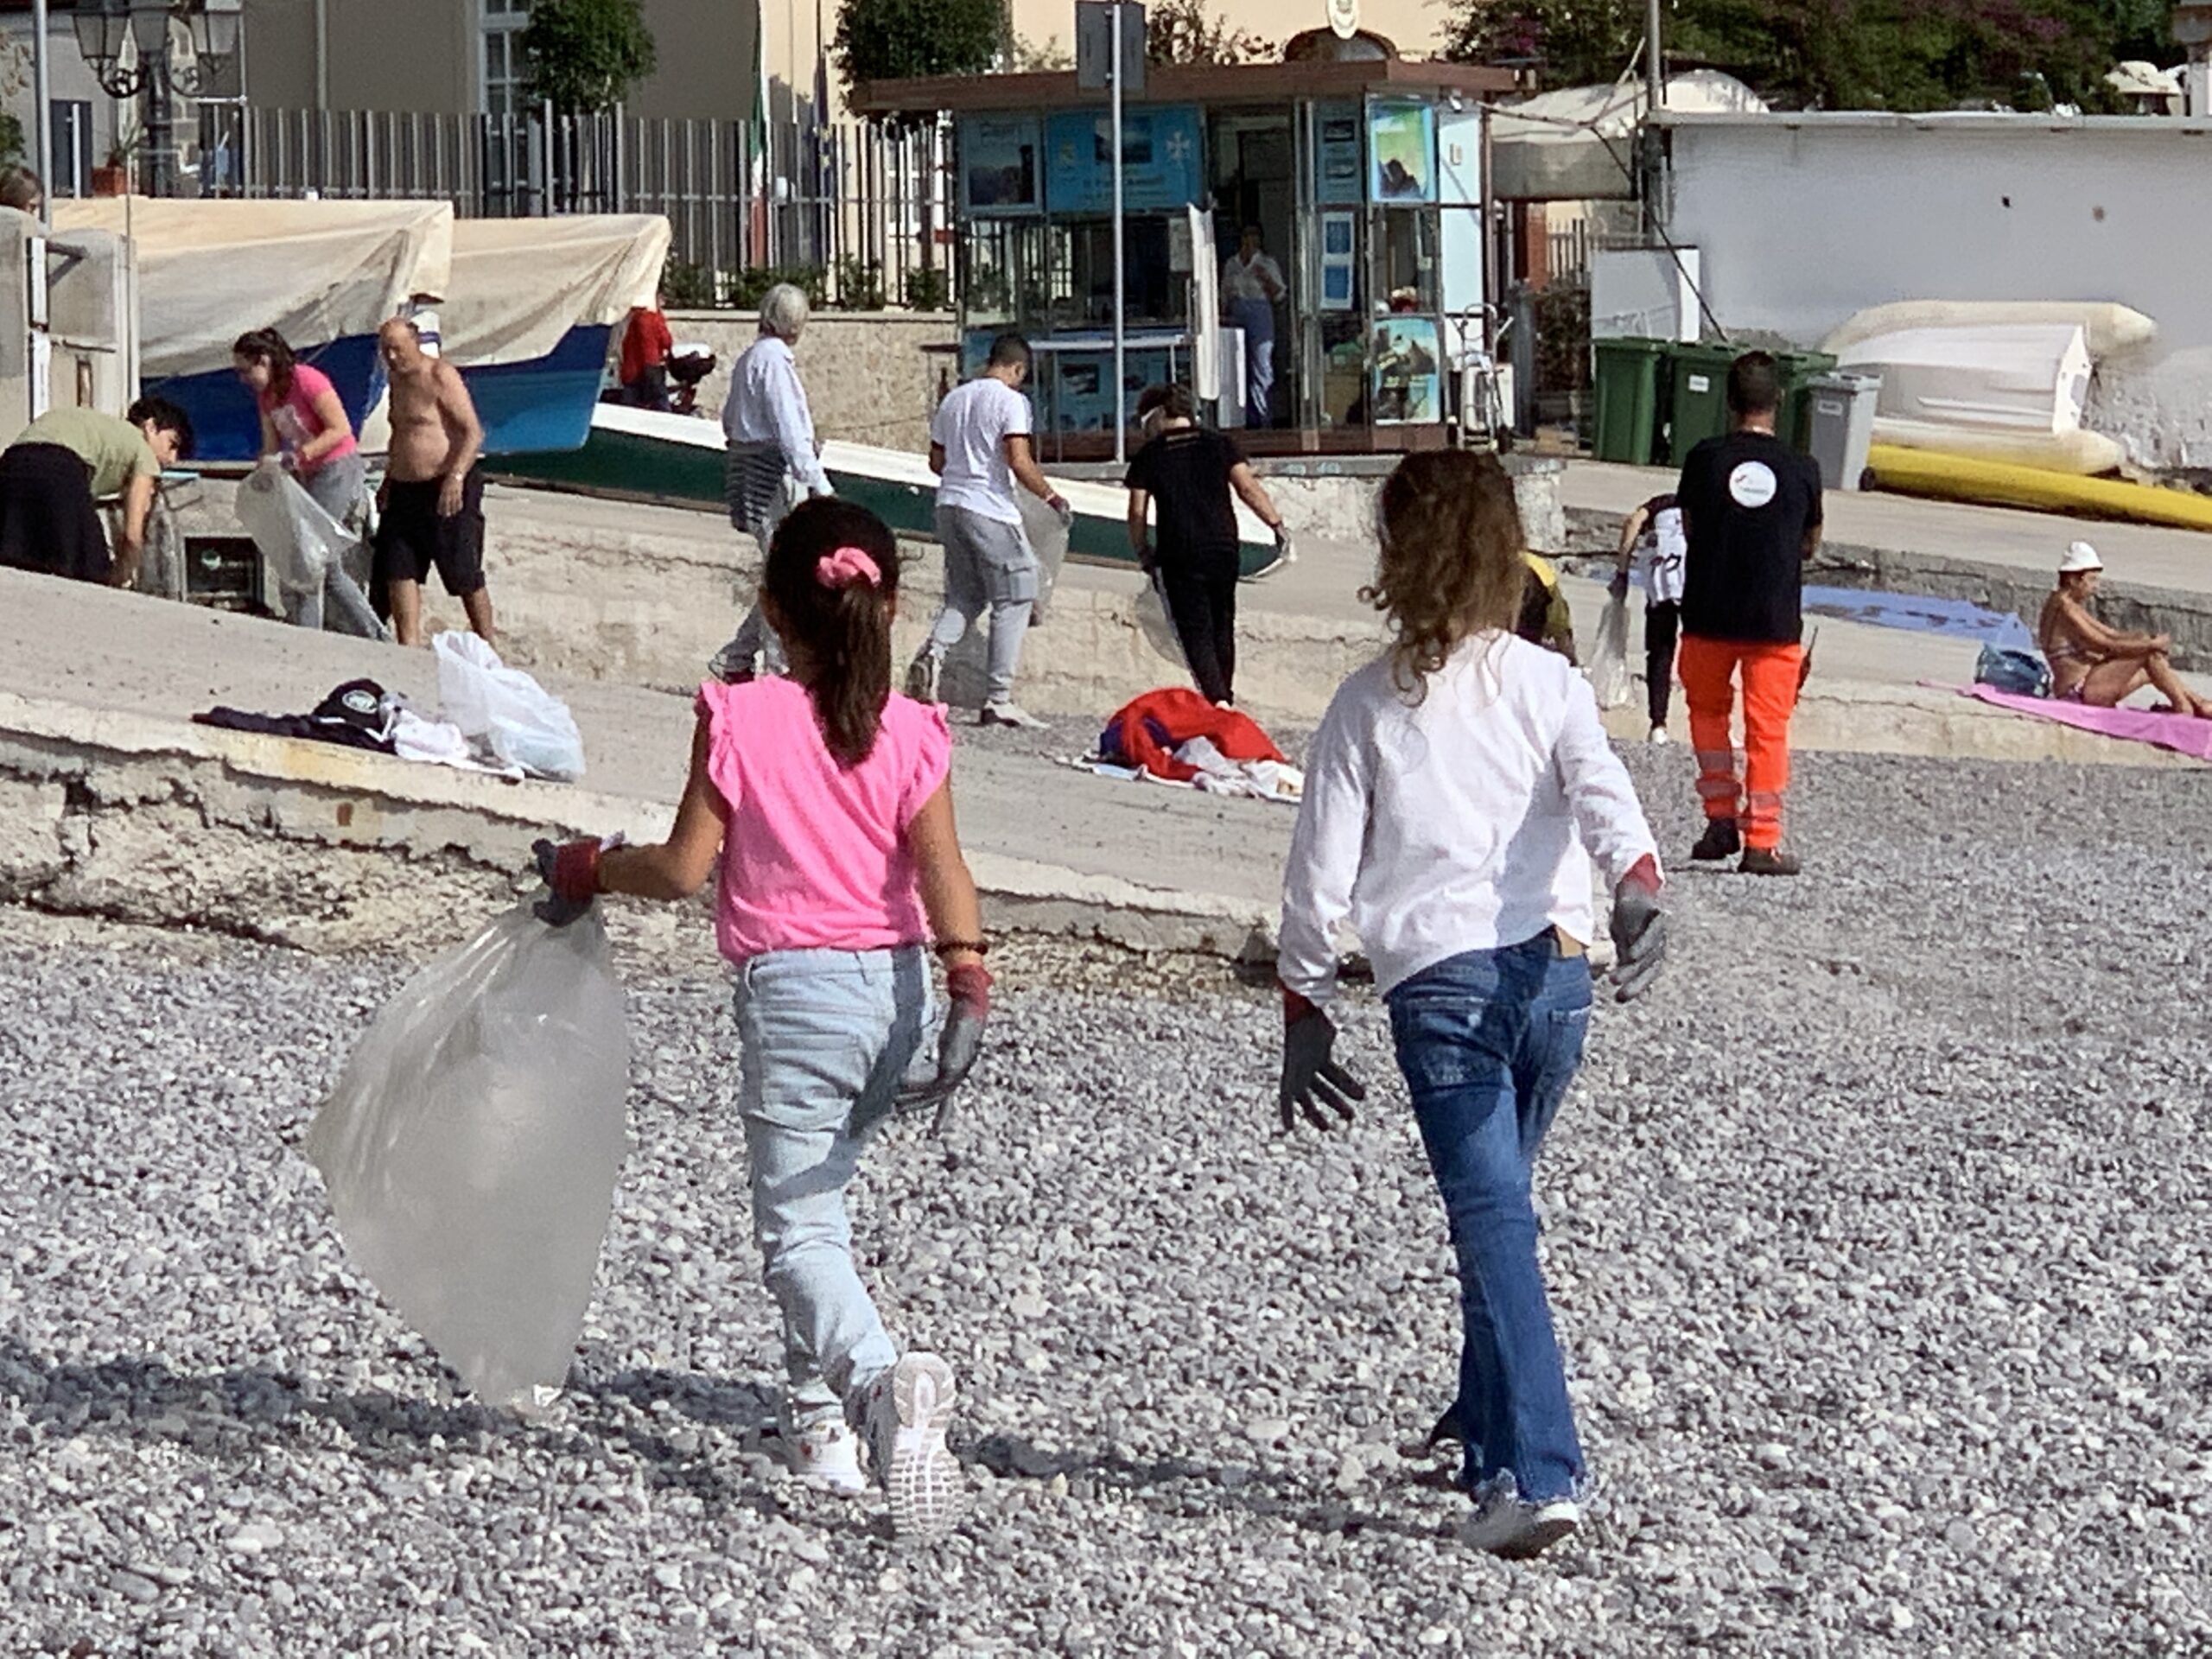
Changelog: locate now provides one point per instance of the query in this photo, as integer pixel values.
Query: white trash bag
(1048, 540)
(1157, 623)
(523, 723)
(298, 538)
(472, 1147)
(1608, 671)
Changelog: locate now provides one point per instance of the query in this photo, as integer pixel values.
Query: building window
(503, 63)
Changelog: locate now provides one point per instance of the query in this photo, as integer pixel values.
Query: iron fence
(858, 211)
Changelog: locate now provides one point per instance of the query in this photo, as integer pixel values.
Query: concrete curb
(160, 822)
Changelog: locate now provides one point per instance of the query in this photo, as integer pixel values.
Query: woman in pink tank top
(305, 427)
(827, 801)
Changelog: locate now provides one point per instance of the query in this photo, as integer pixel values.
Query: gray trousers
(339, 487)
(755, 642)
(988, 565)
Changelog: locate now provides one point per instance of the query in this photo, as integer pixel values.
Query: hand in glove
(967, 987)
(1283, 551)
(1311, 1077)
(1061, 510)
(1618, 587)
(571, 873)
(1639, 929)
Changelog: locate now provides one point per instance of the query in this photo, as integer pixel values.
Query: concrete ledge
(158, 823)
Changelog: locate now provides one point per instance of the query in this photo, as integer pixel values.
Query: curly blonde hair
(1451, 563)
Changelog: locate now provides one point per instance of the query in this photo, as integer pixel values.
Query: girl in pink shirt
(829, 803)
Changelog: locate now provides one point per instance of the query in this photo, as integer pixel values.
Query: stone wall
(872, 376)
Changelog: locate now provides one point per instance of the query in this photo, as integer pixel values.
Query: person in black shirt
(1751, 508)
(1188, 473)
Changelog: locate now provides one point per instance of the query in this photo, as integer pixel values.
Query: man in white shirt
(773, 464)
(1251, 287)
(980, 448)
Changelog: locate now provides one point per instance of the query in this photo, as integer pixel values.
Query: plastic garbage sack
(1048, 538)
(298, 538)
(1609, 674)
(1157, 623)
(472, 1146)
(523, 723)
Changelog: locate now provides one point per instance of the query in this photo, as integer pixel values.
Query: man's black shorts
(412, 540)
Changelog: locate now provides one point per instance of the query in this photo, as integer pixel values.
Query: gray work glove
(1639, 929)
(968, 989)
(1284, 549)
(1311, 1077)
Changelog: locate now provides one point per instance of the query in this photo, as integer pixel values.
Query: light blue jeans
(827, 1035)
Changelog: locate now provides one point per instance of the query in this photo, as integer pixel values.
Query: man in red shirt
(646, 346)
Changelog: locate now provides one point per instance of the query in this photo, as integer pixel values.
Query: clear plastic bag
(1609, 674)
(523, 723)
(1157, 623)
(298, 538)
(472, 1147)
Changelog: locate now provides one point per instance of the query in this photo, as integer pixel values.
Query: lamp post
(149, 32)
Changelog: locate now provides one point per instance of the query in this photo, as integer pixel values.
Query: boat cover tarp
(316, 271)
(519, 285)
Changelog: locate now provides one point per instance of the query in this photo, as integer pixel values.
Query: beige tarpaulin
(519, 284)
(209, 270)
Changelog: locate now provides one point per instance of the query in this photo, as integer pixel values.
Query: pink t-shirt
(294, 418)
(814, 857)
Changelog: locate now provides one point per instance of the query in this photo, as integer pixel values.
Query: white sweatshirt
(1451, 824)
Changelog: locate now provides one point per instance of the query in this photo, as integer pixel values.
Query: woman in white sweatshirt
(1452, 791)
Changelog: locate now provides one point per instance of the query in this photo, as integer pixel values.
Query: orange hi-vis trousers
(1753, 796)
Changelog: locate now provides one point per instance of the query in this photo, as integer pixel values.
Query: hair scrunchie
(847, 567)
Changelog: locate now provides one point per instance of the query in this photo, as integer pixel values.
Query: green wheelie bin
(1629, 391)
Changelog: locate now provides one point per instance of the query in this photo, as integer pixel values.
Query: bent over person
(54, 475)
(1751, 508)
(433, 496)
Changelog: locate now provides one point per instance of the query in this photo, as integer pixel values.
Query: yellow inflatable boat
(2002, 483)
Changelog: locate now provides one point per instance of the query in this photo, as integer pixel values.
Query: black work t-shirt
(1747, 501)
(1186, 474)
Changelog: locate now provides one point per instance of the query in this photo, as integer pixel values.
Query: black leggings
(1203, 607)
(1662, 622)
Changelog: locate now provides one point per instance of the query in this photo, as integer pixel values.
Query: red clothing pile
(1148, 731)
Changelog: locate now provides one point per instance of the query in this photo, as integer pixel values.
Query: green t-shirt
(114, 450)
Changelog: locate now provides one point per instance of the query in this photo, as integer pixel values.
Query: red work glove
(967, 987)
(571, 873)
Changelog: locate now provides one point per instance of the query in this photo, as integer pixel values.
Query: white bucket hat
(2078, 557)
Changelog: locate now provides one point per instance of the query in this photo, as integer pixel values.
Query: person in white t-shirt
(1654, 553)
(980, 450)
(1251, 287)
(1451, 792)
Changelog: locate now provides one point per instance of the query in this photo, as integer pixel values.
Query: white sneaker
(1513, 1529)
(921, 678)
(904, 1413)
(1659, 737)
(1005, 714)
(826, 1455)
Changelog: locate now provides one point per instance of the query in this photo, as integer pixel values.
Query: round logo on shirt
(1753, 484)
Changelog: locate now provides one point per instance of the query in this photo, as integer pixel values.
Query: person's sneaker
(1659, 738)
(1513, 1529)
(1005, 714)
(1768, 861)
(921, 678)
(904, 1413)
(826, 1455)
(1722, 839)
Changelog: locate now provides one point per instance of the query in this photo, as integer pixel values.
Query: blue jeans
(1489, 1042)
(826, 1037)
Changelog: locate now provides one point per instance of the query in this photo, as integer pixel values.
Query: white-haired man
(773, 464)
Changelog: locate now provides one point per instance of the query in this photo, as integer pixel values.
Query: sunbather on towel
(2093, 664)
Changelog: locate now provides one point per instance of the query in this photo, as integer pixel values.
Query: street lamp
(148, 28)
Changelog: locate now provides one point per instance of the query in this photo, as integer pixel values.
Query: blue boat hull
(226, 425)
(544, 406)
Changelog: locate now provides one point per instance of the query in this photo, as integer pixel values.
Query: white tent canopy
(209, 270)
(519, 284)
(1578, 143)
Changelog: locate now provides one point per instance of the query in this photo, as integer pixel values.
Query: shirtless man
(433, 496)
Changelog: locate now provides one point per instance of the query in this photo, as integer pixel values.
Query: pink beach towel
(2180, 733)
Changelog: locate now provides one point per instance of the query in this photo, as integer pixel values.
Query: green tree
(586, 55)
(1894, 55)
(903, 39)
(1184, 32)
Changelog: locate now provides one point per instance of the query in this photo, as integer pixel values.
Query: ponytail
(833, 572)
